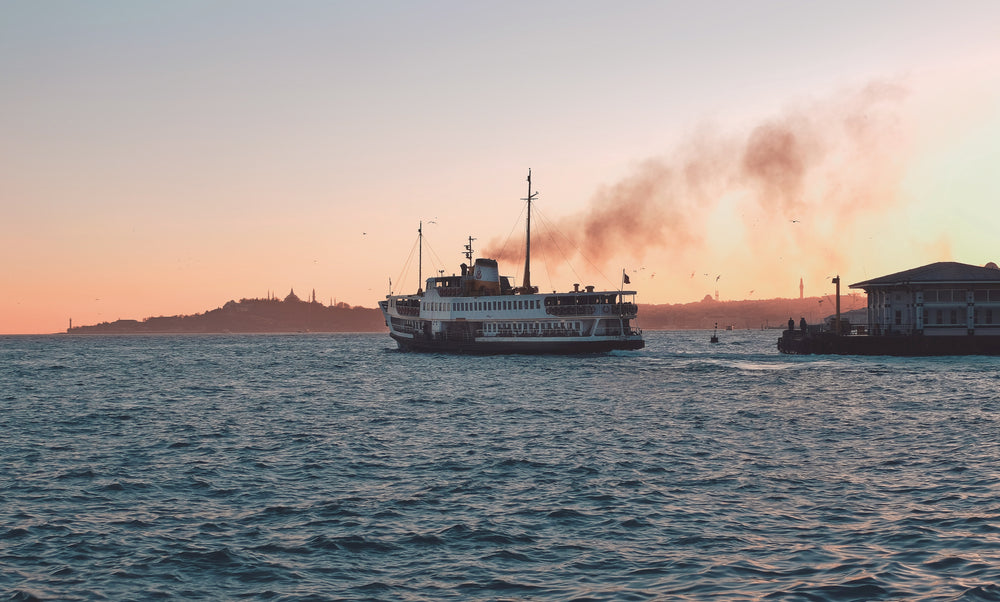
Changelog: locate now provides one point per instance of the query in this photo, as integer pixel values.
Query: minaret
(802, 289)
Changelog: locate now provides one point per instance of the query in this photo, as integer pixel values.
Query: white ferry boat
(479, 312)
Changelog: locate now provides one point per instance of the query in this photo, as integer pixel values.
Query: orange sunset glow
(165, 159)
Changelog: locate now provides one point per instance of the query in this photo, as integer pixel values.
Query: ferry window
(940, 317)
(954, 316)
(899, 318)
(989, 316)
(980, 296)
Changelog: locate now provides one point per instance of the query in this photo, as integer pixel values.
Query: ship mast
(420, 258)
(526, 284)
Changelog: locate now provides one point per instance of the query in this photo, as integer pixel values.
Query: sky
(165, 158)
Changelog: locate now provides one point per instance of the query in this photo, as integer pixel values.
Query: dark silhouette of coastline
(294, 315)
(252, 316)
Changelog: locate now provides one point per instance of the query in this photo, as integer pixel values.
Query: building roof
(942, 272)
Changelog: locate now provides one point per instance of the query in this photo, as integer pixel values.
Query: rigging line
(431, 249)
(553, 229)
(519, 257)
(517, 223)
(545, 263)
(550, 231)
(405, 271)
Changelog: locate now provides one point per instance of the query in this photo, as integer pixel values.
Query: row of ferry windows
(482, 305)
(531, 326)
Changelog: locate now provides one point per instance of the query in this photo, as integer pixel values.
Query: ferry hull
(529, 347)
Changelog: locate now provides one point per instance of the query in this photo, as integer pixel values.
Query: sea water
(324, 467)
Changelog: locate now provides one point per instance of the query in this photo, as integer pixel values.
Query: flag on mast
(625, 277)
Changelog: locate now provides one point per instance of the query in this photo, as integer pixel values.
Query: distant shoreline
(293, 316)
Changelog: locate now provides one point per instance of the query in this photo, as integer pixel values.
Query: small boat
(479, 312)
(715, 334)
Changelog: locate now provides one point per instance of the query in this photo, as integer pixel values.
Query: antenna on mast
(526, 284)
(468, 250)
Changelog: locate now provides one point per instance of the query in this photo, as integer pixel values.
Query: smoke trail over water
(798, 182)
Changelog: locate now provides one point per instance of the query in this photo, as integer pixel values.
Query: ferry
(479, 312)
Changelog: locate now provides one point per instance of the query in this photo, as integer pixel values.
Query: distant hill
(293, 315)
(253, 315)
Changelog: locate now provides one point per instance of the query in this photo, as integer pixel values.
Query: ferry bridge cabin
(940, 299)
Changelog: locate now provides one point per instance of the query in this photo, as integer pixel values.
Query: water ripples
(333, 467)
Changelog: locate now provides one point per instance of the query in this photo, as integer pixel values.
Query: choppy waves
(334, 467)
